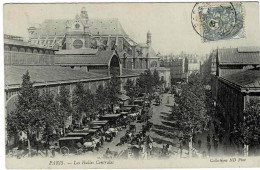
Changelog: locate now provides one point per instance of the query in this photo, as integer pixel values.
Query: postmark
(218, 21)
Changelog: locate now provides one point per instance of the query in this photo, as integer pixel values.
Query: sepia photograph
(131, 85)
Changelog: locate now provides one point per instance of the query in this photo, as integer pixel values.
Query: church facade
(83, 33)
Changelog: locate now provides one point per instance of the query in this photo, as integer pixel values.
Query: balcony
(22, 58)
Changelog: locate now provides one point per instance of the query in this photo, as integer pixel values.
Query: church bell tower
(84, 15)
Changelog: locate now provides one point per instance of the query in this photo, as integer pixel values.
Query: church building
(83, 35)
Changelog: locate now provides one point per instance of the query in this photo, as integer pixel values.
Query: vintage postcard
(132, 85)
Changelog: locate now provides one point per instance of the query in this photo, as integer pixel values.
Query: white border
(2, 105)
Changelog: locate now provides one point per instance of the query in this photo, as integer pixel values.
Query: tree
(140, 83)
(112, 90)
(79, 103)
(90, 103)
(145, 82)
(247, 132)
(130, 88)
(100, 98)
(190, 111)
(148, 81)
(26, 117)
(162, 81)
(156, 79)
(64, 108)
(48, 115)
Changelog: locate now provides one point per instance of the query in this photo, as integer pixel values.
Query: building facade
(228, 61)
(235, 92)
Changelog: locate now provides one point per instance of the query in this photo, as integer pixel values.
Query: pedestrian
(163, 150)
(208, 138)
(167, 149)
(52, 151)
(209, 147)
(199, 142)
(108, 151)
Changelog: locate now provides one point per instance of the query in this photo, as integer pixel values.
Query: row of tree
(190, 112)
(40, 114)
(246, 133)
(146, 83)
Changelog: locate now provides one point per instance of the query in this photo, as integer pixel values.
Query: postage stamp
(218, 21)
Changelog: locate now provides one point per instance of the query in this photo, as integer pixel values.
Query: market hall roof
(15, 42)
(101, 57)
(240, 55)
(46, 74)
(57, 27)
(244, 79)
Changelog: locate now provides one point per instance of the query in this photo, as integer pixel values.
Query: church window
(154, 64)
(77, 44)
(77, 26)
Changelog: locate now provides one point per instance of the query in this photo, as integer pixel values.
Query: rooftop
(53, 27)
(246, 79)
(241, 55)
(99, 58)
(22, 43)
(46, 74)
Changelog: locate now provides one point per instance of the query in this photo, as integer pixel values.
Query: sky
(169, 23)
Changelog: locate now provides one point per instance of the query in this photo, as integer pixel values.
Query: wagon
(89, 142)
(103, 123)
(70, 144)
(111, 118)
(139, 102)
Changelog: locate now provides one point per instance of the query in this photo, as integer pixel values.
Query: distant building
(179, 70)
(193, 66)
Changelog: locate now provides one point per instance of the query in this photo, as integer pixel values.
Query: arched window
(129, 65)
(28, 50)
(154, 64)
(35, 51)
(114, 65)
(136, 64)
(40, 52)
(22, 50)
(14, 49)
(113, 45)
(7, 48)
